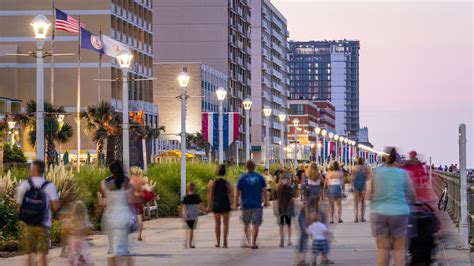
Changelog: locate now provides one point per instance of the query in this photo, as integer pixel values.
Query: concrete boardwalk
(163, 245)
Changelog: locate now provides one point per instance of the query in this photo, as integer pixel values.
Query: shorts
(320, 246)
(389, 225)
(191, 224)
(284, 219)
(254, 216)
(335, 191)
(36, 239)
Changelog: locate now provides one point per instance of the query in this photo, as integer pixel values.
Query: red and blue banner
(210, 128)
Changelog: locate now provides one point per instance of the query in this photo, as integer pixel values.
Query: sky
(416, 67)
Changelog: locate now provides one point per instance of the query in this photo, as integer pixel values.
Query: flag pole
(52, 52)
(78, 118)
(100, 66)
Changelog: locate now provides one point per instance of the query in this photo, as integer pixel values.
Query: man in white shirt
(37, 236)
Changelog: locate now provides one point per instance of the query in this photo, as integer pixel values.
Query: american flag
(67, 23)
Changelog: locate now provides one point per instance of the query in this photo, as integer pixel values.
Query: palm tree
(101, 123)
(53, 131)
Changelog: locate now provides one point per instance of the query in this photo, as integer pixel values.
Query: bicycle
(443, 200)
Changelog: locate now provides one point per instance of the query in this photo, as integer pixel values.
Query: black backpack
(34, 206)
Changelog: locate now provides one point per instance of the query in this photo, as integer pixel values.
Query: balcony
(266, 81)
(278, 62)
(277, 48)
(277, 74)
(277, 100)
(278, 87)
(277, 23)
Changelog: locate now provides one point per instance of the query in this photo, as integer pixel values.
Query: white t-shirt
(51, 193)
(317, 231)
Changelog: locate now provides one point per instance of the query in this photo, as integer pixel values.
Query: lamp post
(267, 112)
(324, 132)
(353, 143)
(247, 103)
(125, 58)
(296, 121)
(346, 140)
(221, 93)
(60, 119)
(336, 140)
(331, 136)
(40, 26)
(282, 118)
(317, 130)
(11, 126)
(183, 80)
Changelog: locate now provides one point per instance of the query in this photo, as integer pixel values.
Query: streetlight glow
(331, 135)
(221, 93)
(336, 137)
(183, 78)
(317, 130)
(296, 121)
(324, 132)
(282, 117)
(125, 58)
(40, 25)
(267, 111)
(11, 124)
(247, 103)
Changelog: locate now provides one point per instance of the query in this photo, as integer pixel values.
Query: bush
(13, 153)
(89, 179)
(10, 245)
(56, 231)
(20, 173)
(9, 222)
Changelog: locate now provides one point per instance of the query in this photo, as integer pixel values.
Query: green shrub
(13, 154)
(10, 245)
(89, 179)
(9, 222)
(56, 231)
(20, 173)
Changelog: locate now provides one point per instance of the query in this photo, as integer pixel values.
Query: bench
(150, 209)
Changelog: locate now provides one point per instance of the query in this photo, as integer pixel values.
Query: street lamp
(221, 93)
(296, 121)
(247, 103)
(282, 118)
(40, 26)
(183, 80)
(346, 155)
(331, 136)
(60, 119)
(317, 130)
(11, 126)
(324, 132)
(124, 58)
(267, 112)
(336, 140)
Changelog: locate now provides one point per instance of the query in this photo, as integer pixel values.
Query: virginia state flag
(91, 42)
(112, 47)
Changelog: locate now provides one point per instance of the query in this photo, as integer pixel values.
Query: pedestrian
(275, 182)
(218, 199)
(285, 208)
(313, 190)
(137, 182)
(251, 187)
(391, 192)
(77, 227)
(117, 218)
(299, 179)
(268, 180)
(190, 212)
(333, 185)
(359, 177)
(36, 199)
(320, 235)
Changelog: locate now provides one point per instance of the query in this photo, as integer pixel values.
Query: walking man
(250, 189)
(36, 198)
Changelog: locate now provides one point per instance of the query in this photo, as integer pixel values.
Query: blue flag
(91, 42)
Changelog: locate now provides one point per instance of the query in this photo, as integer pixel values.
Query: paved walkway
(163, 245)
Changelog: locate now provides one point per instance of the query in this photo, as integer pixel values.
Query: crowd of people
(310, 196)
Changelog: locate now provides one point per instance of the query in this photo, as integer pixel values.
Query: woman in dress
(117, 214)
(218, 198)
(314, 185)
(333, 184)
(391, 192)
(359, 176)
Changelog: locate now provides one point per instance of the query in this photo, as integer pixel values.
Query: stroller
(423, 226)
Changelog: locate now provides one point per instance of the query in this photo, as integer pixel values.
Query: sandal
(217, 245)
(254, 247)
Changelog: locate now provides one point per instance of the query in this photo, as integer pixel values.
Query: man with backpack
(36, 198)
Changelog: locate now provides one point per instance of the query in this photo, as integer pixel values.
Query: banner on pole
(210, 128)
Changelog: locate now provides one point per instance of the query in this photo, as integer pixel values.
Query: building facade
(269, 36)
(215, 33)
(328, 70)
(326, 115)
(129, 22)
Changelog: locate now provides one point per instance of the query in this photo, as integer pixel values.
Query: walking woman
(218, 198)
(391, 192)
(117, 215)
(333, 185)
(359, 178)
(314, 185)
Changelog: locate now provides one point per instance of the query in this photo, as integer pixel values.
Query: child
(77, 225)
(190, 212)
(320, 234)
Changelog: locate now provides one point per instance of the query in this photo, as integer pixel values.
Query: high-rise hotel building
(127, 21)
(212, 32)
(328, 70)
(269, 76)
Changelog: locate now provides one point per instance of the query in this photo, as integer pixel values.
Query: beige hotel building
(128, 21)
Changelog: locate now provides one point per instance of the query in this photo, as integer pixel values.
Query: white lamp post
(296, 121)
(247, 103)
(331, 136)
(282, 118)
(125, 58)
(11, 126)
(324, 132)
(60, 119)
(267, 112)
(183, 80)
(221, 93)
(336, 140)
(317, 130)
(40, 26)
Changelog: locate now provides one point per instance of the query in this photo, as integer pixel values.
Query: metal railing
(452, 181)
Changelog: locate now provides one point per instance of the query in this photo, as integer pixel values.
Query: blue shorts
(320, 246)
(335, 191)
